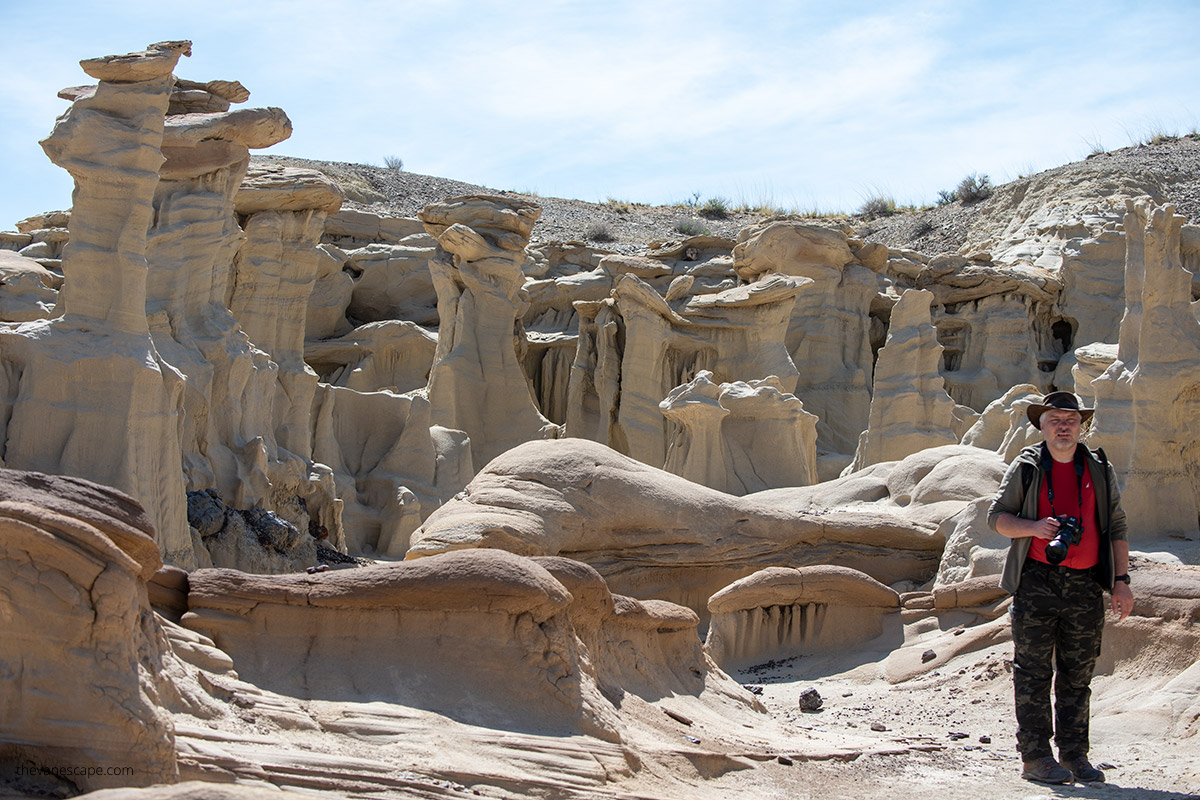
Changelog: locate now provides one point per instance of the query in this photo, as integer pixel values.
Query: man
(1058, 602)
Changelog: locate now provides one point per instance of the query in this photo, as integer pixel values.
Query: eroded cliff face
(241, 337)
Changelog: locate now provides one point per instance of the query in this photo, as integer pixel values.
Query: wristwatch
(1122, 579)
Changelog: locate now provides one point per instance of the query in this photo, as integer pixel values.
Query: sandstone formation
(828, 333)
(323, 636)
(476, 383)
(654, 534)
(502, 343)
(740, 437)
(571, 460)
(30, 290)
(780, 611)
(81, 649)
(635, 347)
(99, 351)
(911, 410)
(1146, 401)
(1004, 425)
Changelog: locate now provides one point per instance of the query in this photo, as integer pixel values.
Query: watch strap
(1122, 578)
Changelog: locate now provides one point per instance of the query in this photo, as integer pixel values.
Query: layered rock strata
(911, 409)
(652, 534)
(485, 638)
(636, 346)
(476, 383)
(740, 437)
(74, 386)
(81, 693)
(1148, 400)
(829, 329)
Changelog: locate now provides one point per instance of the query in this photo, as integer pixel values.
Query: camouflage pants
(1057, 619)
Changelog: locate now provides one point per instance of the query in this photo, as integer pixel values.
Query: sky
(807, 106)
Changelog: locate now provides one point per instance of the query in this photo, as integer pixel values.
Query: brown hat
(1064, 401)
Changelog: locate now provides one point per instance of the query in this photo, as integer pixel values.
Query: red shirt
(1067, 501)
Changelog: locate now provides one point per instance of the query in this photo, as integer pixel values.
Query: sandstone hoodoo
(334, 478)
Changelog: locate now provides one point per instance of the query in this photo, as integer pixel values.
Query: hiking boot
(1046, 770)
(1083, 771)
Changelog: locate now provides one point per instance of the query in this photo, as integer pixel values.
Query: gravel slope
(1170, 171)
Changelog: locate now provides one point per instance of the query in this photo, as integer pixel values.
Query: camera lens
(1056, 551)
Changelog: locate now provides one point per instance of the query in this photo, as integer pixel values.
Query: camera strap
(1048, 468)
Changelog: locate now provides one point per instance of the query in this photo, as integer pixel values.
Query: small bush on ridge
(878, 206)
(715, 208)
(973, 188)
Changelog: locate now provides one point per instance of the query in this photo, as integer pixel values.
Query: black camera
(1070, 532)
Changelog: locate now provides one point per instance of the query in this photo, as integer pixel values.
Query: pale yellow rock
(349, 226)
(332, 289)
(50, 219)
(28, 290)
(620, 378)
(277, 188)
(780, 612)
(226, 308)
(393, 282)
(1004, 425)
(156, 61)
(374, 443)
(507, 220)
(477, 384)
(81, 648)
(972, 548)
(441, 625)
(910, 409)
(393, 356)
(98, 399)
(648, 531)
(1148, 400)
(253, 127)
(800, 247)
(697, 450)
(829, 328)
(740, 437)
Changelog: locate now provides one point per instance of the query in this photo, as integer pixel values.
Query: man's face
(1061, 428)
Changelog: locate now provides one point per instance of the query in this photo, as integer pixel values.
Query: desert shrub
(393, 162)
(878, 206)
(715, 208)
(946, 197)
(973, 188)
(922, 227)
(619, 206)
(690, 227)
(600, 232)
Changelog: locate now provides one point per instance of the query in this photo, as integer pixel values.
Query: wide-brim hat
(1063, 401)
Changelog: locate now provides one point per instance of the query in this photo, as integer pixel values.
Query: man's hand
(1045, 528)
(1122, 599)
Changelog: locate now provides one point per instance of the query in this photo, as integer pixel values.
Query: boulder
(81, 646)
(781, 612)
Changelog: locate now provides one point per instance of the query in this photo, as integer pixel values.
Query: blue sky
(814, 106)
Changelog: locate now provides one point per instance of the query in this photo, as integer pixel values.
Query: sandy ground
(952, 731)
